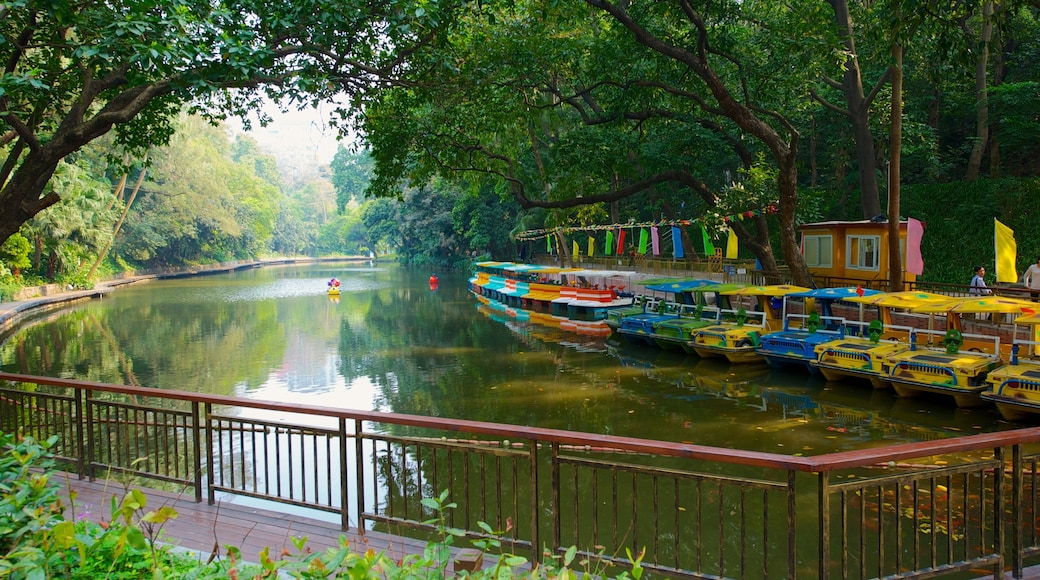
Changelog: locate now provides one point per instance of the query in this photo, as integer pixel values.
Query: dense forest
(479, 121)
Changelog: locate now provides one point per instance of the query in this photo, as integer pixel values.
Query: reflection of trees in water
(208, 347)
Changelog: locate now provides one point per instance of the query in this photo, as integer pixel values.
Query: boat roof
(678, 285)
(724, 288)
(1028, 319)
(838, 293)
(982, 305)
(601, 273)
(771, 290)
(906, 299)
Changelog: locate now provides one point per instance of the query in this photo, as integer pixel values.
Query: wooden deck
(210, 529)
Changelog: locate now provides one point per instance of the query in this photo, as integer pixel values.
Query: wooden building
(843, 253)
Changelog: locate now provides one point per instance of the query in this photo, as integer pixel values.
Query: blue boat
(802, 333)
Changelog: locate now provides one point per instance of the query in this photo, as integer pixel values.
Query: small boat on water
(961, 368)
(863, 356)
(1015, 387)
(802, 333)
(702, 307)
(739, 339)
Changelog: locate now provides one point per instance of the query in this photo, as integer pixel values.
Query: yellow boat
(863, 354)
(1015, 387)
(960, 370)
(739, 339)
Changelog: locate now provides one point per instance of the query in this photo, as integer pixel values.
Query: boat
(590, 294)
(702, 307)
(796, 344)
(739, 339)
(862, 353)
(648, 303)
(960, 369)
(1015, 387)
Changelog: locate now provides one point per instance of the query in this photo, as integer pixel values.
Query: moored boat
(738, 340)
(863, 356)
(1015, 387)
(796, 344)
(954, 371)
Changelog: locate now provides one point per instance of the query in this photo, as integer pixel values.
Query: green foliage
(958, 219)
(37, 542)
(15, 253)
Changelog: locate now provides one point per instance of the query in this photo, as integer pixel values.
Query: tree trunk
(981, 94)
(895, 135)
(859, 114)
(119, 224)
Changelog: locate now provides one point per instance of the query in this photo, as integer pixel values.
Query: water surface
(391, 344)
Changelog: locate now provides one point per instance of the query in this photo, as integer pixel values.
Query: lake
(390, 343)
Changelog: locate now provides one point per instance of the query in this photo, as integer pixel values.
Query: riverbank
(52, 296)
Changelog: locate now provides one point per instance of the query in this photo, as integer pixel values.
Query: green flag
(548, 244)
(644, 237)
(607, 247)
(709, 249)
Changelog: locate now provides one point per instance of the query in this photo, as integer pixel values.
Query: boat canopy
(774, 290)
(839, 293)
(982, 305)
(678, 286)
(907, 299)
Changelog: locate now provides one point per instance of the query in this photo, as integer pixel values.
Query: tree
(351, 174)
(75, 71)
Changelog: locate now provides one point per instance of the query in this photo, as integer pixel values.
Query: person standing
(978, 283)
(1032, 278)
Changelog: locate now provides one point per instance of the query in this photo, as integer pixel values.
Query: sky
(301, 141)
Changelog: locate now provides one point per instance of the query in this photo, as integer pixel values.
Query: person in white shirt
(1032, 278)
(978, 283)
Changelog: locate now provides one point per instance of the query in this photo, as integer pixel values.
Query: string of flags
(652, 235)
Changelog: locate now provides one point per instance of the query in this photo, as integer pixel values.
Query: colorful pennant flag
(548, 244)
(577, 250)
(655, 238)
(621, 242)
(609, 245)
(709, 249)
(677, 248)
(1007, 252)
(731, 245)
(914, 233)
(644, 237)
(592, 246)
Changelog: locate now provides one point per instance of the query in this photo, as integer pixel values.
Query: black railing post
(825, 525)
(1018, 522)
(196, 443)
(536, 555)
(89, 467)
(80, 442)
(211, 494)
(344, 503)
(359, 471)
(998, 513)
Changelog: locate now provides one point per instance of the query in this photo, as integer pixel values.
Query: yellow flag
(1006, 250)
(731, 245)
(577, 250)
(592, 246)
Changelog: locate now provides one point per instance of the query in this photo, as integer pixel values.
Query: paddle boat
(802, 333)
(1015, 387)
(666, 305)
(862, 353)
(960, 370)
(738, 340)
(333, 289)
(702, 306)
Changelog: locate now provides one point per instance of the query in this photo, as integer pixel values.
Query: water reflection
(392, 344)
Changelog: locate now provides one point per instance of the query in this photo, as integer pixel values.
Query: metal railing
(910, 510)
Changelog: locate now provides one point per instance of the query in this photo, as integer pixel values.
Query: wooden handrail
(808, 464)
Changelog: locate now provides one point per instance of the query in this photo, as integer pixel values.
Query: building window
(818, 252)
(863, 252)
